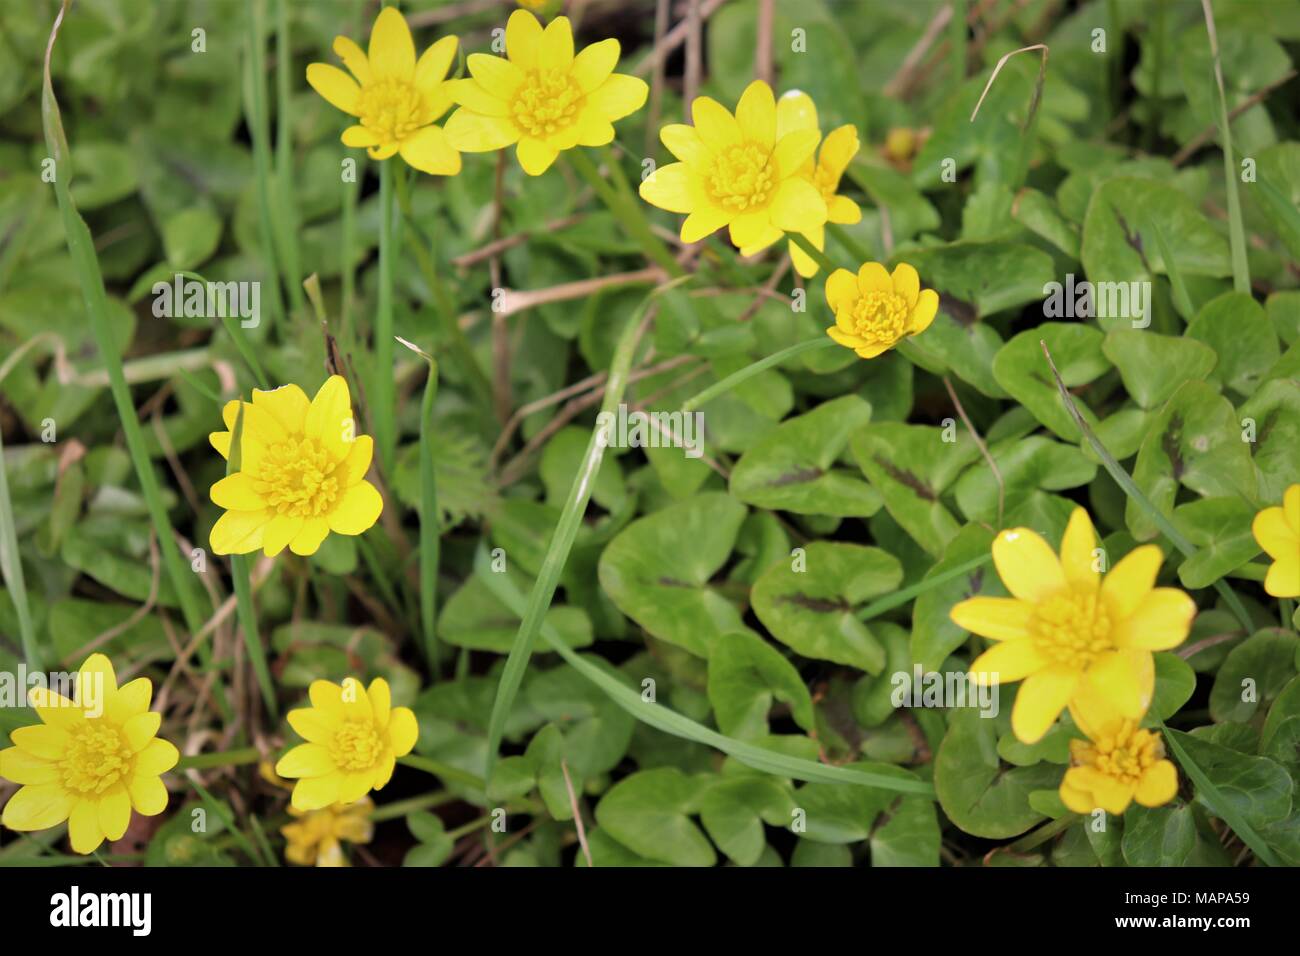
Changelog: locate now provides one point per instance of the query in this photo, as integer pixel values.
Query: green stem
(286, 215)
(259, 131)
(383, 388)
(1130, 488)
(854, 248)
(400, 808)
(1043, 833)
(244, 590)
(443, 770)
(627, 213)
(469, 828)
(222, 758)
(899, 598)
(957, 40)
(823, 260)
(429, 529)
(1236, 228)
(749, 371)
(11, 570)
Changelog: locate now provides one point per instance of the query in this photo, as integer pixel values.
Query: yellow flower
(874, 310)
(315, 838)
(1067, 632)
(796, 111)
(738, 171)
(91, 760)
(1278, 532)
(541, 96)
(395, 98)
(354, 736)
(301, 472)
(1118, 763)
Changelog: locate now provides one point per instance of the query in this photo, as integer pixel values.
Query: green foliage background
(681, 570)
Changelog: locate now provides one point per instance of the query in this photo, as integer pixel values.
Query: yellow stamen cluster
(1124, 753)
(297, 478)
(96, 758)
(393, 109)
(1072, 628)
(547, 102)
(356, 746)
(741, 178)
(879, 317)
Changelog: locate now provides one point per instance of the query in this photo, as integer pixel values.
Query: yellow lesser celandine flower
(394, 97)
(1278, 532)
(1118, 763)
(875, 310)
(354, 736)
(317, 836)
(541, 98)
(795, 111)
(1066, 631)
(301, 474)
(90, 761)
(737, 171)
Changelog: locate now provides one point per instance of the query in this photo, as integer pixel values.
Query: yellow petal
(756, 114)
(703, 221)
(844, 211)
(619, 96)
(326, 696)
(1274, 533)
(354, 58)
(40, 740)
(523, 39)
(431, 68)
(1007, 662)
(237, 492)
(844, 339)
(148, 795)
(83, 826)
(927, 307)
(381, 701)
(403, 730)
(358, 510)
(1076, 799)
(97, 672)
(795, 111)
(668, 187)
(37, 808)
(594, 64)
(279, 531)
(804, 264)
(557, 46)
(312, 793)
(750, 229)
(429, 151)
(838, 150)
(1109, 794)
(221, 440)
(158, 757)
(1027, 566)
(472, 132)
(797, 206)
(535, 155)
(132, 698)
(287, 404)
(141, 729)
(306, 760)
(392, 51)
(1131, 580)
(497, 75)
(1040, 700)
(716, 127)
(841, 290)
(871, 351)
(308, 540)
(1283, 578)
(793, 150)
(906, 283)
(115, 812)
(1122, 682)
(19, 766)
(1158, 785)
(314, 725)
(999, 619)
(1163, 621)
(684, 143)
(329, 420)
(239, 532)
(54, 709)
(1076, 551)
(874, 277)
(382, 152)
(354, 467)
(338, 89)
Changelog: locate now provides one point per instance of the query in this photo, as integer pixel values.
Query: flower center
(1071, 628)
(297, 478)
(1127, 753)
(742, 177)
(547, 102)
(97, 756)
(879, 317)
(393, 109)
(356, 746)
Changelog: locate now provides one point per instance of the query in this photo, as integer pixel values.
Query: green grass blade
(669, 721)
(259, 129)
(539, 601)
(11, 568)
(1181, 295)
(429, 529)
(81, 246)
(1130, 488)
(749, 371)
(383, 390)
(1220, 806)
(244, 591)
(1236, 228)
(285, 214)
(899, 598)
